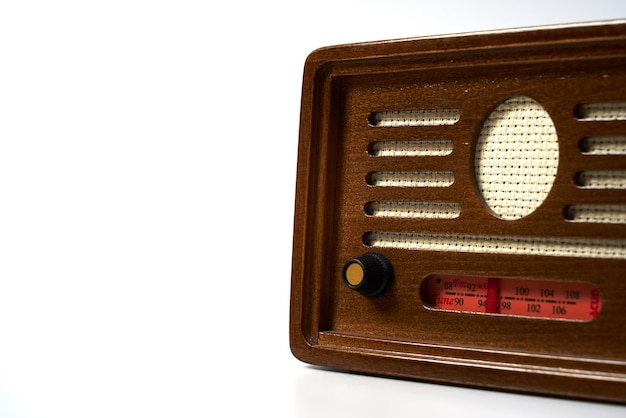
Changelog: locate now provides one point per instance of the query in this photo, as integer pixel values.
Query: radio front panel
(461, 210)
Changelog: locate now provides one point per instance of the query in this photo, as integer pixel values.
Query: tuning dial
(368, 274)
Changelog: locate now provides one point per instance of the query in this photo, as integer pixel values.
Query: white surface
(138, 150)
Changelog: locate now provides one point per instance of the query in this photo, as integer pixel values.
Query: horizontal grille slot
(601, 179)
(410, 178)
(425, 148)
(510, 245)
(602, 111)
(612, 214)
(603, 145)
(416, 210)
(417, 117)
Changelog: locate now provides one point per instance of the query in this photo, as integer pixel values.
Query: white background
(147, 172)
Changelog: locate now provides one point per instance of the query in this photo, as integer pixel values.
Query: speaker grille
(602, 179)
(516, 158)
(417, 210)
(515, 161)
(418, 117)
(610, 214)
(604, 145)
(513, 245)
(605, 111)
(423, 148)
(411, 178)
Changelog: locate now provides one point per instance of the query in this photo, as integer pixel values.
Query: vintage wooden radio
(461, 210)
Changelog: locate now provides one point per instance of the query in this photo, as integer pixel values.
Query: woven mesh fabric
(602, 111)
(614, 214)
(419, 117)
(412, 178)
(523, 245)
(419, 210)
(516, 158)
(604, 145)
(425, 148)
(602, 179)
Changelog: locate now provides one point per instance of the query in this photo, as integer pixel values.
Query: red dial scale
(570, 301)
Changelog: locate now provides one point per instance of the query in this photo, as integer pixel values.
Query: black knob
(368, 274)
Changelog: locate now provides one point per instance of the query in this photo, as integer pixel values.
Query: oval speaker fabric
(516, 158)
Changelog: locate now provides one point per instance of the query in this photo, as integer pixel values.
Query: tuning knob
(369, 274)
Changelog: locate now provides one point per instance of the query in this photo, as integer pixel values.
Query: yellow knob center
(354, 274)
